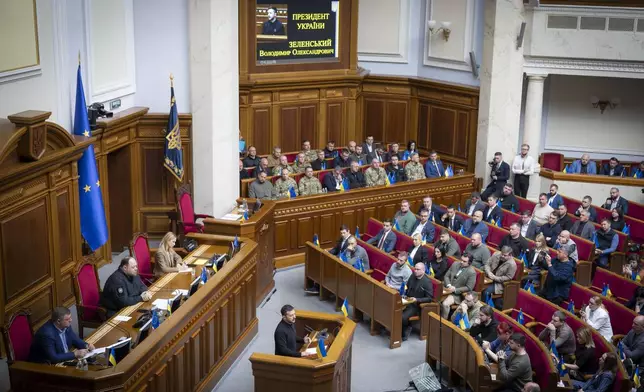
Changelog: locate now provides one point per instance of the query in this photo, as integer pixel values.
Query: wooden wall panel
(119, 173)
(66, 290)
(328, 232)
(442, 124)
(423, 127)
(308, 116)
(65, 233)
(461, 134)
(261, 138)
(374, 118)
(335, 123)
(396, 120)
(289, 137)
(304, 231)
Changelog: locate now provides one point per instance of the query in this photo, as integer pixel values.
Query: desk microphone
(117, 326)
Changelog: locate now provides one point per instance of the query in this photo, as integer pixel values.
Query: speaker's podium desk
(289, 374)
(259, 228)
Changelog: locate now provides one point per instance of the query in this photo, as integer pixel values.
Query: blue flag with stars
(92, 212)
(173, 154)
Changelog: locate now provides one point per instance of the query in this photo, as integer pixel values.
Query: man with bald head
(531, 387)
(419, 291)
(352, 147)
(583, 166)
(277, 170)
(564, 241)
(633, 342)
(479, 252)
(475, 225)
(515, 241)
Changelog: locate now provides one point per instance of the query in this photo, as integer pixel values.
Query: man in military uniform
(414, 169)
(309, 155)
(301, 163)
(375, 175)
(397, 169)
(309, 185)
(274, 159)
(260, 188)
(359, 156)
(124, 288)
(284, 184)
(277, 170)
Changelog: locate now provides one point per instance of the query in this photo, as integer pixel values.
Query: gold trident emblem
(174, 139)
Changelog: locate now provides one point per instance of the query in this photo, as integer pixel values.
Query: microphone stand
(440, 352)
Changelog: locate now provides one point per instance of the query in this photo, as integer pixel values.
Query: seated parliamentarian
(638, 171)
(559, 332)
(417, 252)
(423, 227)
(515, 370)
(515, 241)
(507, 198)
(385, 240)
(419, 291)
(585, 362)
(378, 154)
(434, 167)
(397, 169)
(351, 146)
(613, 168)
(414, 169)
(359, 156)
(56, 341)
(260, 188)
(542, 210)
(329, 150)
(274, 158)
(564, 241)
(439, 264)
(375, 175)
(586, 205)
(617, 222)
(474, 203)
(499, 268)
(605, 377)
(492, 347)
(492, 213)
(606, 243)
(342, 243)
(356, 252)
(451, 220)
(633, 342)
(475, 225)
(550, 230)
(356, 176)
(554, 198)
(537, 262)
(284, 184)
(320, 163)
(564, 221)
(583, 228)
(447, 244)
(596, 315)
(632, 269)
(583, 166)
(470, 306)
(616, 201)
(435, 212)
(478, 251)
(300, 164)
(309, 154)
(343, 160)
(559, 279)
(309, 184)
(286, 340)
(251, 160)
(394, 150)
(263, 167)
(484, 327)
(411, 148)
(405, 218)
(283, 164)
(460, 279)
(166, 259)
(332, 182)
(399, 272)
(124, 288)
(243, 173)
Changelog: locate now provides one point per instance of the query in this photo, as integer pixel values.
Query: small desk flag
(204, 275)
(403, 289)
(321, 348)
(345, 308)
(571, 306)
(357, 234)
(112, 357)
(520, 317)
(291, 193)
(316, 240)
(155, 319)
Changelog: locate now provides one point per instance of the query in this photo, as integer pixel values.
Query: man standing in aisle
(499, 175)
(523, 168)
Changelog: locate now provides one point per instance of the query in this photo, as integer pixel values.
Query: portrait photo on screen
(296, 31)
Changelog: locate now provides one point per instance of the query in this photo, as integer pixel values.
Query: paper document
(180, 291)
(100, 350)
(231, 217)
(189, 270)
(312, 350)
(199, 262)
(122, 318)
(160, 303)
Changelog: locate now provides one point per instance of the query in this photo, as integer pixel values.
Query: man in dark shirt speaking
(285, 339)
(272, 26)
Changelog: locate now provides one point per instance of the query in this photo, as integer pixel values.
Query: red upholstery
(188, 218)
(140, 250)
(291, 156)
(403, 242)
(251, 171)
(495, 235)
(379, 261)
(89, 288)
(552, 161)
(621, 287)
(509, 218)
(637, 229)
(636, 210)
(19, 336)
(621, 317)
(525, 204)
(373, 227)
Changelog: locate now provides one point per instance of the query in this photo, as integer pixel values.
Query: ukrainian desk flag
(566, 169)
(403, 289)
(490, 301)
(345, 308)
(635, 276)
(606, 291)
(387, 181)
(424, 239)
(357, 234)
(636, 377)
(204, 275)
(92, 212)
(449, 172)
(410, 262)
(497, 222)
(173, 155)
(112, 358)
(343, 256)
(392, 178)
(595, 240)
(431, 272)
(155, 320)
(520, 318)
(359, 265)
(562, 367)
(245, 216)
(553, 349)
(321, 348)
(620, 351)
(571, 306)
(462, 320)
(291, 193)
(396, 225)
(626, 230)
(316, 240)
(524, 258)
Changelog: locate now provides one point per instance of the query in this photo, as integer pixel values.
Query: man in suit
(356, 177)
(475, 225)
(562, 217)
(356, 253)
(395, 150)
(613, 168)
(583, 228)
(508, 199)
(554, 198)
(528, 225)
(460, 279)
(419, 291)
(343, 160)
(332, 182)
(550, 229)
(451, 220)
(423, 227)
(499, 268)
(368, 147)
(447, 244)
(499, 175)
(54, 340)
(515, 241)
(385, 239)
(492, 213)
(435, 212)
(396, 169)
(583, 166)
(342, 243)
(378, 154)
(586, 205)
(616, 201)
(474, 204)
(434, 167)
(320, 163)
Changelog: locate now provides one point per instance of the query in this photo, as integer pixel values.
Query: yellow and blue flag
(345, 308)
(553, 349)
(431, 272)
(410, 262)
(291, 193)
(561, 366)
(92, 211)
(392, 178)
(524, 258)
(571, 306)
(595, 240)
(155, 320)
(606, 291)
(244, 216)
(449, 172)
(424, 239)
(462, 320)
(173, 154)
(204, 275)
(490, 301)
(387, 181)
(112, 357)
(566, 169)
(636, 377)
(520, 317)
(321, 348)
(529, 286)
(236, 242)
(620, 350)
(316, 240)
(343, 256)
(169, 305)
(635, 276)
(403, 289)
(345, 185)
(497, 222)
(357, 233)
(359, 265)
(396, 225)
(626, 230)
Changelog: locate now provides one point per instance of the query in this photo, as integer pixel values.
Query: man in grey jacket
(499, 269)
(460, 279)
(478, 251)
(355, 252)
(559, 331)
(447, 244)
(516, 370)
(583, 228)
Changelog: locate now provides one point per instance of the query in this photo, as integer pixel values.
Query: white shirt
(524, 229)
(522, 165)
(413, 252)
(419, 229)
(489, 212)
(599, 320)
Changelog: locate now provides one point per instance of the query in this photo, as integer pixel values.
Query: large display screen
(297, 31)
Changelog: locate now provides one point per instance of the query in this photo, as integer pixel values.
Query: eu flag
(92, 212)
(173, 155)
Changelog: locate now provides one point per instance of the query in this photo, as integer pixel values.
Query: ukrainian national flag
(345, 308)
(112, 357)
(236, 242)
(620, 350)
(520, 317)
(245, 216)
(410, 262)
(431, 272)
(291, 193)
(204, 275)
(343, 256)
(566, 169)
(497, 222)
(595, 240)
(606, 291)
(571, 306)
(316, 240)
(155, 319)
(462, 320)
(92, 212)
(449, 172)
(359, 265)
(173, 155)
(561, 366)
(635, 276)
(392, 178)
(524, 258)
(490, 301)
(553, 349)
(403, 289)
(626, 230)
(357, 233)
(636, 377)
(387, 181)
(424, 239)
(396, 225)
(321, 348)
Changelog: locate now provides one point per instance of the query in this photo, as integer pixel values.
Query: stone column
(532, 126)
(501, 84)
(214, 93)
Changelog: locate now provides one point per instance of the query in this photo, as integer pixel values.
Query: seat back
(140, 250)
(88, 291)
(184, 204)
(18, 336)
(509, 218)
(636, 210)
(379, 261)
(403, 242)
(373, 227)
(621, 287)
(552, 160)
(621, 317)
(525, 204)
(495, 235)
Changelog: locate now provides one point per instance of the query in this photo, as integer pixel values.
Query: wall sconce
(603, 104)
(444, 28)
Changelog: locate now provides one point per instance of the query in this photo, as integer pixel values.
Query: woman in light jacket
(596, 315)
(167, 260)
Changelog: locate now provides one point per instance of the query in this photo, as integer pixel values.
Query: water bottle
(244, 206)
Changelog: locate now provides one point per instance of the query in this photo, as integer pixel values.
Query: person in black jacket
(332, 181)
(397, 169)
(342, 160)
(356, 177)
(286, 339)
(251, 159)
(124, 288)
(485, 329)
(563, 219)
(492, 213)
(417, 252)
(439, 264)
(451, 220)
(342, 243)
(320, 163)
(508, 199)
(419, 291)
(499, 175)
(515, 241)
(551, 230)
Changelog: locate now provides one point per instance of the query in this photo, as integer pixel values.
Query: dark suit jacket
(502, 173)
(338, 161)
(621, 203)
(48, 348)
(458, 223)
(434, 215)
(356, 180)
(481, 228)
(480, 206)
(593, 213)
(365, 149)
(430, 169)
(508, 202)
(390, 154)
(531, 233)
(421, 256)
(339, 247)
(398, 172)
(618, 172)
(495, 215)
(390, 240)
(328, 182)
(428, 231)
(565, 222)
(317, 165)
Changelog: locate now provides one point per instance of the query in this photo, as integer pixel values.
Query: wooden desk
(259, 228)
(191, 350)
(331, 373)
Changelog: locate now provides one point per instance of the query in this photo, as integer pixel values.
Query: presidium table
(189, 351)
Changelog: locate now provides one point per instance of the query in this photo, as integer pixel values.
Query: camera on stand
(96, 111)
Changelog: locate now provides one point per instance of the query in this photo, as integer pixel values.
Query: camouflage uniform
(310, 186)
(281, 188)
(310, 156)
(415, 171)
(300, 169)
(375, 177)
(277, 170)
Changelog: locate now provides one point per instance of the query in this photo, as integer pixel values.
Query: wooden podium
(259, 228)
(289, 374)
